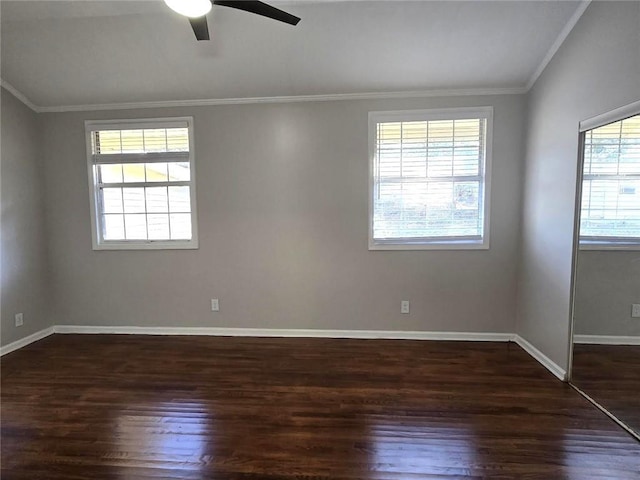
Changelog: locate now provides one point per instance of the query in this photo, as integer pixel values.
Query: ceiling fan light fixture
(190, 8)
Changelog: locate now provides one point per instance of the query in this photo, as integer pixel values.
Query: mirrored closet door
(606, 310)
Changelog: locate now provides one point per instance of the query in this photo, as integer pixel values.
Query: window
(141, 178)
(429, 179)
(610, 212)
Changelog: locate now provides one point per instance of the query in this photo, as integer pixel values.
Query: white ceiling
(60, 53)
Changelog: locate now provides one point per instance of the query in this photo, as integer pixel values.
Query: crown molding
(260, 100)
(19, 95)
(284, 99)
(564, 33)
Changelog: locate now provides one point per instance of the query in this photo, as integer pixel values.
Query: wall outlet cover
(19, 319)
(404, 306)
(635, 310)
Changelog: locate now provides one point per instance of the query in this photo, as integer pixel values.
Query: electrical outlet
(404, 306)
(635, 310)
(19, 320)
(215, 305)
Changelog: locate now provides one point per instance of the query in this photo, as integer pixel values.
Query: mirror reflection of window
(610, 212)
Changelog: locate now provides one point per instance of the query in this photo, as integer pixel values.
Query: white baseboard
(541, 357)
(286, 332)
(293, 332)
(607, 339)
(23, 342)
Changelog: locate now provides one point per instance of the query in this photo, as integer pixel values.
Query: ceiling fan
(196, 10)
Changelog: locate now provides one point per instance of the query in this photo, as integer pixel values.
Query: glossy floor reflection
(128, 407)
(410, 448)
(179, 432)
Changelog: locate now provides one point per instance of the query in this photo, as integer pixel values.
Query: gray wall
(282, 210)
(23, 245)
(596, 70)
(607, 284)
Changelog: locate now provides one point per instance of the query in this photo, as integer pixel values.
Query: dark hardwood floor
(610, 374)
(130, 407)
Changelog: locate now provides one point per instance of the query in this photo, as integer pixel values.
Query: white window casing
(430, 179)
(142, 184)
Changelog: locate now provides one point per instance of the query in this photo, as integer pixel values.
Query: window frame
(460, 113)
(602, 243)
(98, 242)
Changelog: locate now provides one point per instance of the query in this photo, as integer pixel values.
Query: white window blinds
(142, 182)
(429, 178)
(611, 183)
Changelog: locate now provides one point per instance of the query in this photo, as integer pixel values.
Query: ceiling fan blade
(260, 8)
(200, 27)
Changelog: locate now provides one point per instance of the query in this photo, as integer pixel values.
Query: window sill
(460, 245)
(608, 246)
(159, 245)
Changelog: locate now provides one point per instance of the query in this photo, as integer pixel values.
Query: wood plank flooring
(610, 374)
(144, 407)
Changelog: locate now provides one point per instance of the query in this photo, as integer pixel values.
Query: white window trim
(429, 115)
(93, 125)
(592, 243)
